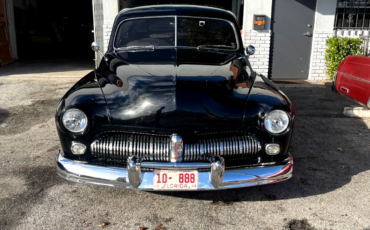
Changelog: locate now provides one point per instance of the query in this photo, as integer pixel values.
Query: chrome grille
(233, 147)
(120, 146)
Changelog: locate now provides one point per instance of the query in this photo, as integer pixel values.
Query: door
(353, 79)
(292, 27)
(5, 52)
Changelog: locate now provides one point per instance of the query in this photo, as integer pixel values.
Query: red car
(352, 79)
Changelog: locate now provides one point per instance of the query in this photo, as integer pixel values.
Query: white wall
(324, 24)
(252, 7)
(325, 15)
(324, 28)
(260, 39)
(105, 11)
(110, 11)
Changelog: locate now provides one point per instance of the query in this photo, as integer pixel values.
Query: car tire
(333, 86)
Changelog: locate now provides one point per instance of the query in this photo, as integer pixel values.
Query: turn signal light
(78, 148)
(272, 149)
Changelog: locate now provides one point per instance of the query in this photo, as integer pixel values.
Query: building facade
(290, 43)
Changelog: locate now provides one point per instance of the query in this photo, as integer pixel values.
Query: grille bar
(121, 146)
(157, 148)
(233, 147)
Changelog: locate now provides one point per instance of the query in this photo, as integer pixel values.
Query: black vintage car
(175, 105)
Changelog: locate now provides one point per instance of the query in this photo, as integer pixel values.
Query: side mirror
(95, 46)
(250, 50)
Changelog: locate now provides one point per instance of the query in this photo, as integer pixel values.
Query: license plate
(175, 180)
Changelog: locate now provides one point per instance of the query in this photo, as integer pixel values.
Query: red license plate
(175, 180)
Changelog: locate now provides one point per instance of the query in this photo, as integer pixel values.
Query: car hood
(185, 93)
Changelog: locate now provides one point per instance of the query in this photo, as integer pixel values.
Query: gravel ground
(330, 188)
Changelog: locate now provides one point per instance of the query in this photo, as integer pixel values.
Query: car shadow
(328, 149)
(4, 114)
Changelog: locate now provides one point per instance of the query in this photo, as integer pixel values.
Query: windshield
(150, 33)
(146, 32)
(205, 33)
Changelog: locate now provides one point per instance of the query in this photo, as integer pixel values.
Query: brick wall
(110, 10)
(104, 15)
(98, 25)
(261, 41)
(317, 67)
(107, 30)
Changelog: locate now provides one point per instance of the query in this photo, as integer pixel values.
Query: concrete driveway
(330, 188)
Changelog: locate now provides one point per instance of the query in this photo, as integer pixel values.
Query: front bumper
(213, 179)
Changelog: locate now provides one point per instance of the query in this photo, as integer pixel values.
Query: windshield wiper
(135, 48)
(215, 46)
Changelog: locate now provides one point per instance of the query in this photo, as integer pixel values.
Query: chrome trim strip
(118, 177)
(176, 148)
(130, 140)
(356, 78)
(176, 31)
(171, 165)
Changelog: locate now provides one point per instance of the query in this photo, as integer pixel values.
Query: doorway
(235, 6)
(292, 28)
(53, 29)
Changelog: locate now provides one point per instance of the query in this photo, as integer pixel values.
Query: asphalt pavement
(330, 188)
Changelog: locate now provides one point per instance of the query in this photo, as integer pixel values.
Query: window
(352, 14)
(192, 32)
(212, 33)
(146, 32)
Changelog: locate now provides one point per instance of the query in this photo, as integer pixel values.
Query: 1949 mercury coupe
(175, 105)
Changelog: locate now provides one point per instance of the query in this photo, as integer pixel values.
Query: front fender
(264, 98)
(85, 95)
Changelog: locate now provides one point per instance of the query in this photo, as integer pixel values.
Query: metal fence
(365, 45)
(352, 14)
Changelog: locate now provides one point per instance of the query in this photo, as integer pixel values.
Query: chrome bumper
(132, 177)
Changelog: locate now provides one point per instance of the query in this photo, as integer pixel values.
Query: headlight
(75, 120)
(276, 121)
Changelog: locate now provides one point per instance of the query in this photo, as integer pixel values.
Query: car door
(354, 80)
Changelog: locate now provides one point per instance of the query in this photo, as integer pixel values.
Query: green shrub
(337, 49)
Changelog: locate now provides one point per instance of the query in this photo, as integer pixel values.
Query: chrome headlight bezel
(285, 130)
(83, 115)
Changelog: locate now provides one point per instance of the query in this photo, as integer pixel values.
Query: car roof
(176, 9)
